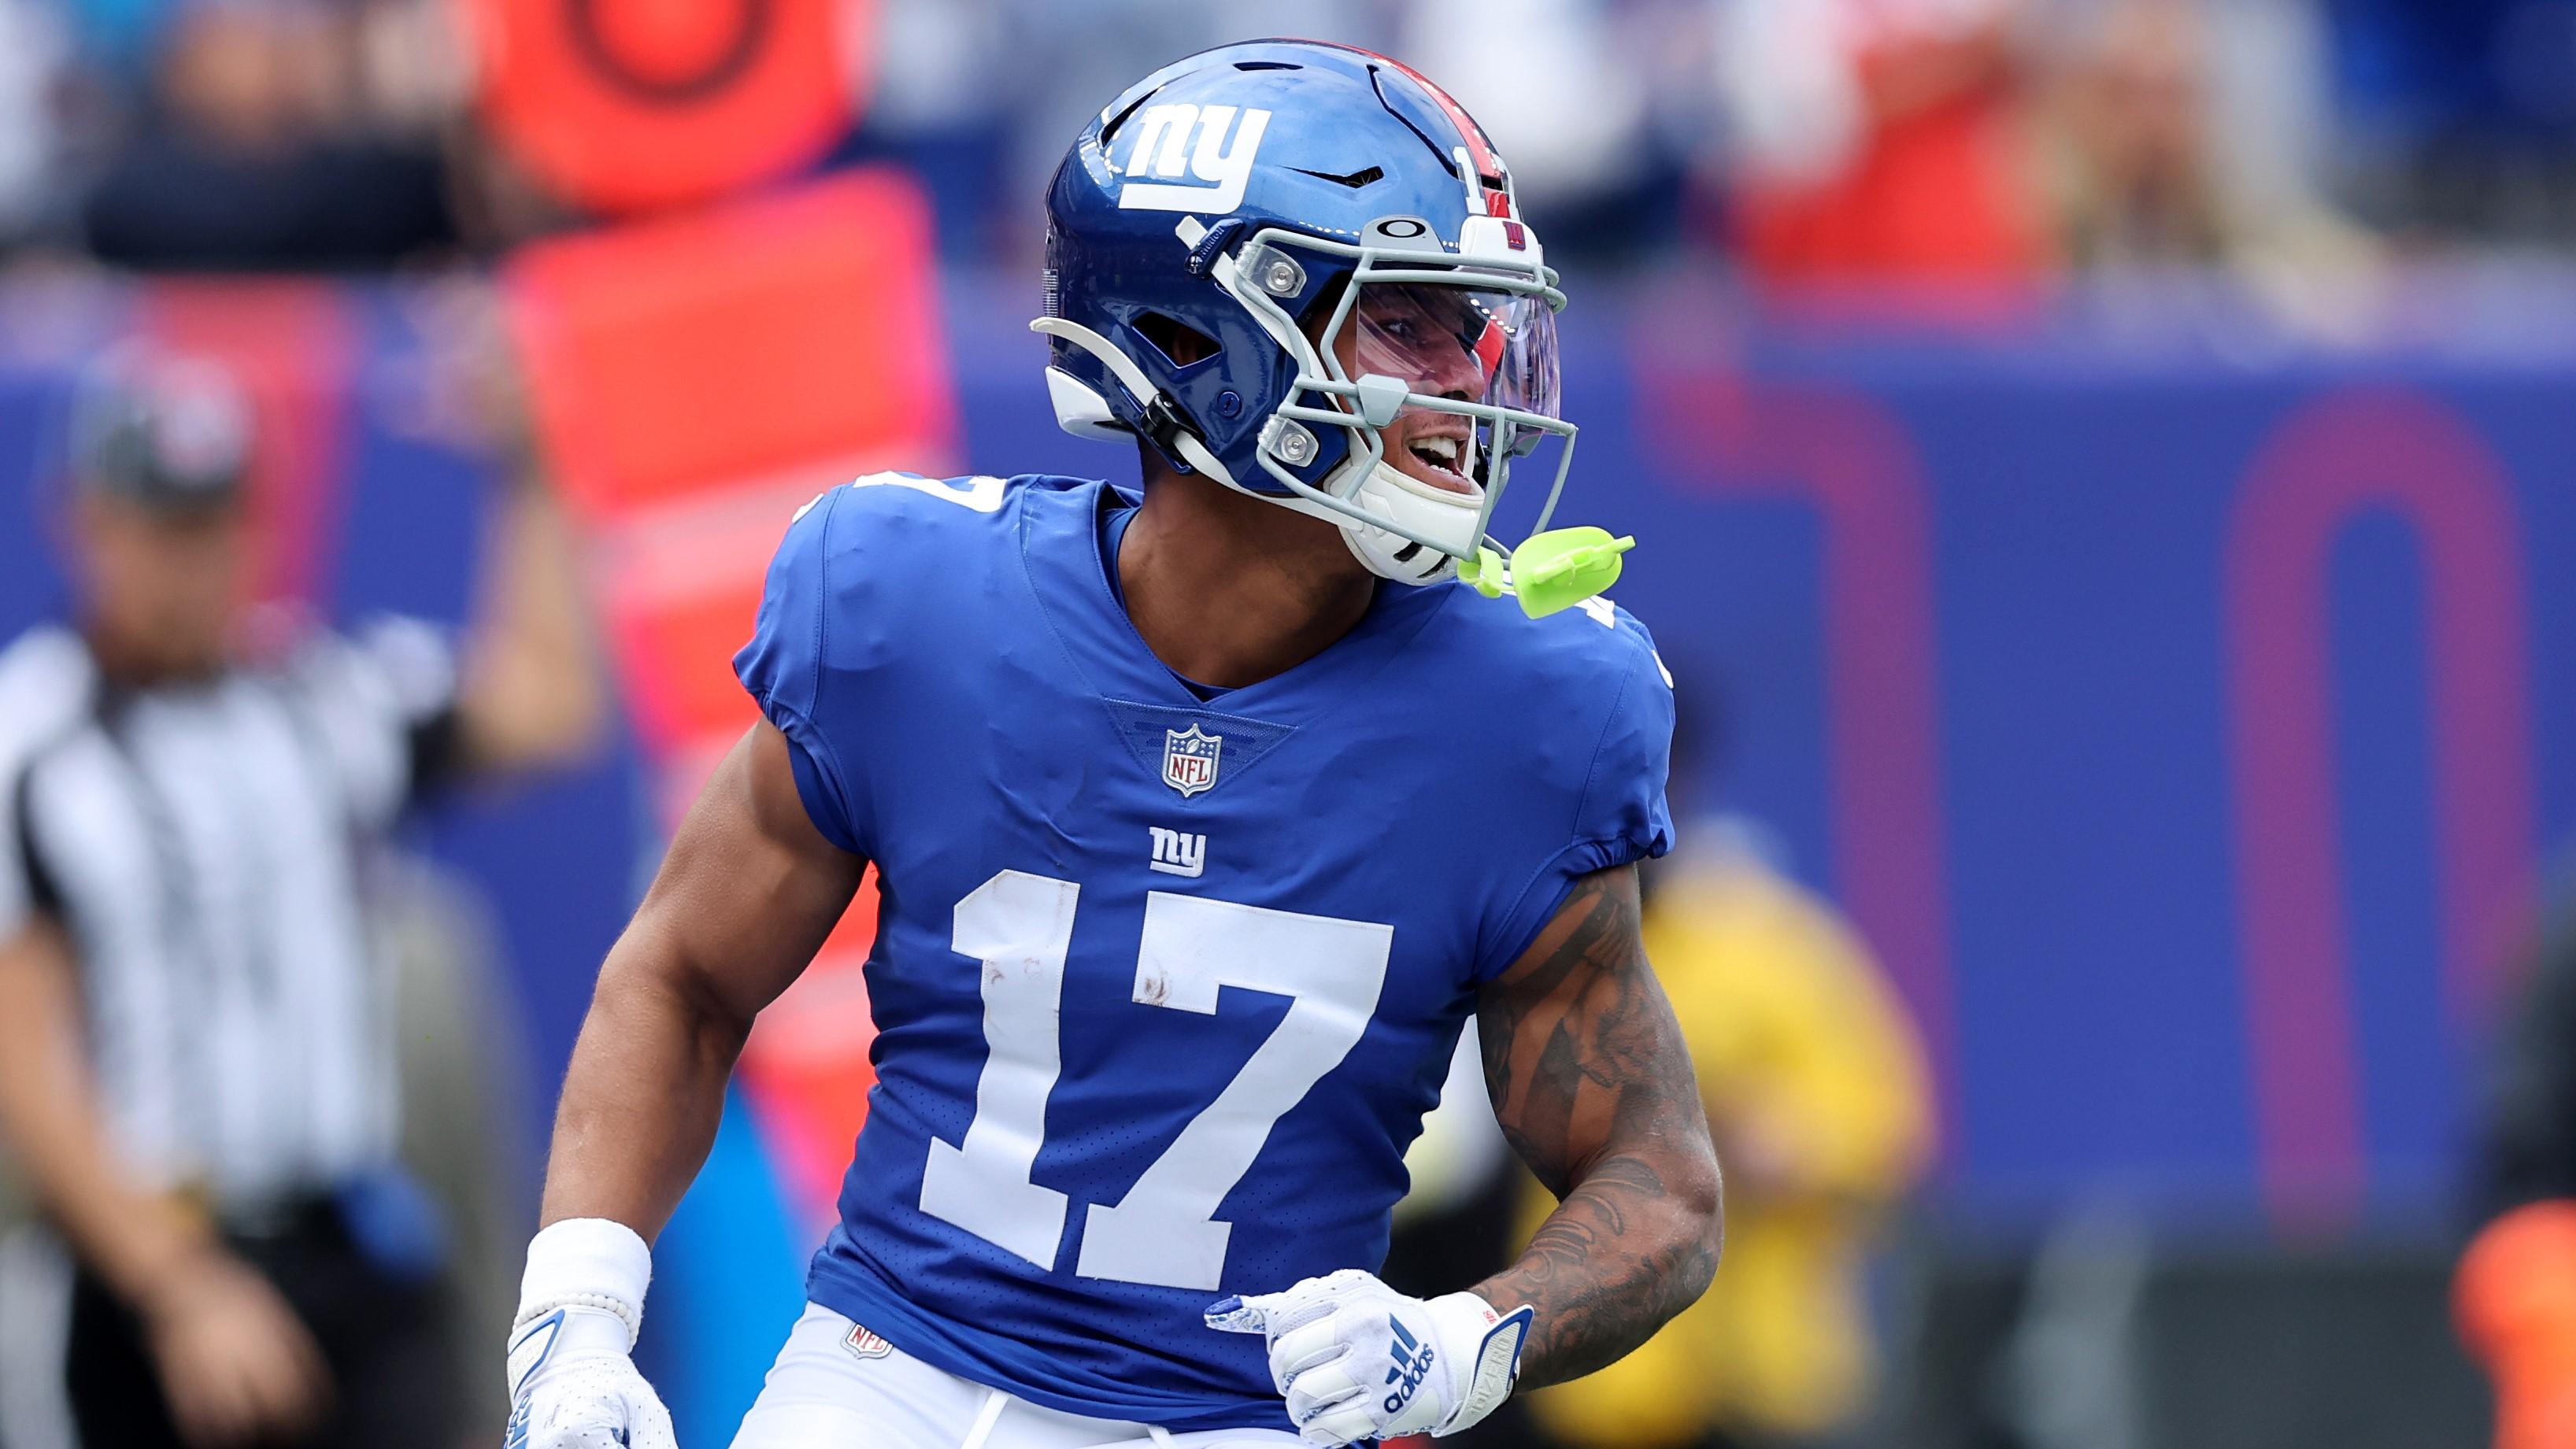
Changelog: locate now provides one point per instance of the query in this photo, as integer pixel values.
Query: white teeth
(1442, 451)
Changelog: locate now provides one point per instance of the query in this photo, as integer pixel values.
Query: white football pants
(837, 1386)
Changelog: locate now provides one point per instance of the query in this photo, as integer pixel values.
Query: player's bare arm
(1594, 1089)
(743, 900)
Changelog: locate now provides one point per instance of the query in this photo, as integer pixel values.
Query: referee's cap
(169, 433)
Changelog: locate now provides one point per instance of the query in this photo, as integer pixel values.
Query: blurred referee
(197, 1073)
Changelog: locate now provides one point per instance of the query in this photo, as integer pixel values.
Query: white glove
(1357, 1360)
(572, 1384)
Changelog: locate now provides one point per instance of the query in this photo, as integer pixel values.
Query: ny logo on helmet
(1164, 148)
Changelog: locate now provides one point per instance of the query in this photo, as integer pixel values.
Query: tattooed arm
(1595, 1090)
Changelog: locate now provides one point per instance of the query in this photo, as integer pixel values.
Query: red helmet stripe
(1489, 348)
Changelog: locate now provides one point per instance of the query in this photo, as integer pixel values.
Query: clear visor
(1464, 338)
(1457, 342)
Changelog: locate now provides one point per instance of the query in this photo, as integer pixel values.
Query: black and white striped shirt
(204, 847)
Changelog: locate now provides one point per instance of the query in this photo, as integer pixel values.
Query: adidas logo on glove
(1412, 1365)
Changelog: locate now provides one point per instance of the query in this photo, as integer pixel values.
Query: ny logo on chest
(1178, 852)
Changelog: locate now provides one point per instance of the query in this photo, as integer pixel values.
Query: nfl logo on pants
(1189, 759)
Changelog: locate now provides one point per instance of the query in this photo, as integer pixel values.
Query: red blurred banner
(696, 381)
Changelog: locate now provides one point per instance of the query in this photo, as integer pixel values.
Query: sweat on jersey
(1163, 984)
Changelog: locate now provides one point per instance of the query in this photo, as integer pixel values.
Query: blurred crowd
(1991, 147)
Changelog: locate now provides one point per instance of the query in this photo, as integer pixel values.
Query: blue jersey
(1163, 983)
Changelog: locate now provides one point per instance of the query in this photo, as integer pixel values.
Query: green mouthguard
(1484, 573)
(1557, 569)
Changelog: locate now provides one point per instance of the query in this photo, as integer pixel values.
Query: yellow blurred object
(1818, 1095)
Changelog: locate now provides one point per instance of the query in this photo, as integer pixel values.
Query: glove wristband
(589, 1263)
(1493, 1340)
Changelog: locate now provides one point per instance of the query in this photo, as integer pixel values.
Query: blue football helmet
(1244, 193)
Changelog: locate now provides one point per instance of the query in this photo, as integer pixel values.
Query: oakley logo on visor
(1165, 147)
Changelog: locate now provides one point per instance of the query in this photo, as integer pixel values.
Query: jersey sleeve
(1620, 815)
(782, 667)
(383, 703)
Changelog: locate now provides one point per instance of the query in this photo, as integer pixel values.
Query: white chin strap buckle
(1434, 513)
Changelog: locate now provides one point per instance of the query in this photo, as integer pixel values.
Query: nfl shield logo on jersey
(1189, 759)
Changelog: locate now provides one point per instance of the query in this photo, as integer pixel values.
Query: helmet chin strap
(1386, 492)
(1433, 513)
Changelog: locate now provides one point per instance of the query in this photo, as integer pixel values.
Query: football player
(1204, 813)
